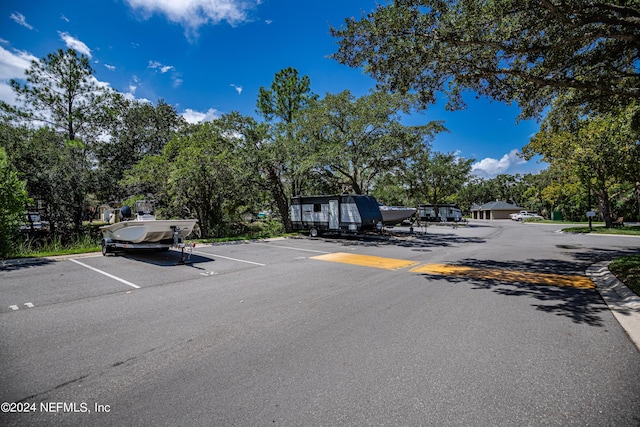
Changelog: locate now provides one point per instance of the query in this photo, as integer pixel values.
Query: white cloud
(192, 116)
(13, 64)
(75, 44)
(158, 66)
(19, 18)
(110, 67)
(64, 18)
(237, 88)
(7, 94)
(192, 14)
(490, 167)
(176, 79)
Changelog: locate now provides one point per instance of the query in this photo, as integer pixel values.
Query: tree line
(71, 143)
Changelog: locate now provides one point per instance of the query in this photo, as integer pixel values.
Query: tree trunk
(605, 203)
(280, 197)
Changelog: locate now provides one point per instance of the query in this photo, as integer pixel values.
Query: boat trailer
(111, 246)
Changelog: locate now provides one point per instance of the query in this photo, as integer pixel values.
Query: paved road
(491, 324)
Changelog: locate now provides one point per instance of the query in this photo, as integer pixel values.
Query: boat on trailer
(141, 230)
(392, 215)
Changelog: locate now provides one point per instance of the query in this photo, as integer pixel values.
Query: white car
(527, 215)
(514, 215)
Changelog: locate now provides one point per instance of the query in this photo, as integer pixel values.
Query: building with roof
(494, 210)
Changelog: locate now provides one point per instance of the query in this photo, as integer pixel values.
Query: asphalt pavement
(489, 324)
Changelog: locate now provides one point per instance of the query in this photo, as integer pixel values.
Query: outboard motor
(125, 213)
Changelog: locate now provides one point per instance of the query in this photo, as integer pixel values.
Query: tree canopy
(524, 51)
(60, 91)
(281, 154)
(13, 199)
(135, 130)
(600, 149)
(355, 140)
(437, 177)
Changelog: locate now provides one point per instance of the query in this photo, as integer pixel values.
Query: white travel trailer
(337, 214)
(446, 212)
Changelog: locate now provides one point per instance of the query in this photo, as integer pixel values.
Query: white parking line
(106, 274)
(232, 259)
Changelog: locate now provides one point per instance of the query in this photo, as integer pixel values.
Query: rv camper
(343, 213)
(446, 212)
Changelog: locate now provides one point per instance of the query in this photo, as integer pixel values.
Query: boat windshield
(144, 207)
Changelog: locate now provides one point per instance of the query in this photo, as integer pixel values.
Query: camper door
(334, 215)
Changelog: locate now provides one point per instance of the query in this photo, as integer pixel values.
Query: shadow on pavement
(22, 264)
(418, 241)
(168, 258)
(579, 305)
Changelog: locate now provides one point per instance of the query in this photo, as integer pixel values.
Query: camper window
(317, 207)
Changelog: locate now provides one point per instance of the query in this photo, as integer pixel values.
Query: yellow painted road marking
(574, 281)
(366, 260)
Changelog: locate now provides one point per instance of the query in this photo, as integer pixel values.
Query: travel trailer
(446, 212)
(335, 214)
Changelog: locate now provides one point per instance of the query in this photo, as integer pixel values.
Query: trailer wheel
(313, 232)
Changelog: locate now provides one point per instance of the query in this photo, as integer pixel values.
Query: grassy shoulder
(56, 247)
(627, 270)
(90, 242)
(601, 229)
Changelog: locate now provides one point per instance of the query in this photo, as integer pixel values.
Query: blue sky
(210, 57)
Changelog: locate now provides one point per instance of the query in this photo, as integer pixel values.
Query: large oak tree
(600, 149)
(524, 51)
(355, 140)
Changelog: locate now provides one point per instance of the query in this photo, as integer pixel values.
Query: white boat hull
(395, 214)
(151, 231)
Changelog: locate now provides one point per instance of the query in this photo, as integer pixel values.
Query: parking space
(32, 285)
(28, 285)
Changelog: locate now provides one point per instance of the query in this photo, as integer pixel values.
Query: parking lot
(485, 324)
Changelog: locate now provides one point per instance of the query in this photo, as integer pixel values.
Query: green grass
(580, 223)
(634, 231)
(55, 247)
(243, 237)
(88, 244)
(627, 270)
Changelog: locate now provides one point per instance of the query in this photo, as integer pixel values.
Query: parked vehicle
(337, 214)
(33, 222)
(446, 212)
(527, 216)
(514, 215)
(392, 215)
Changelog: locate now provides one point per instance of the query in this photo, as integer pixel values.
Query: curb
(623, 303)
